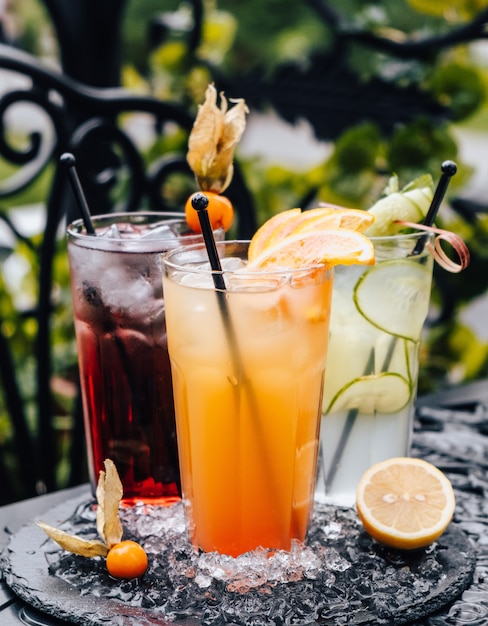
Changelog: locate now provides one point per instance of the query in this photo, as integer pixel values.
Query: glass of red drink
(119, 314)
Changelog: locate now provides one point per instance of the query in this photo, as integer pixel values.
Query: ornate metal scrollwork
(33, 159)
(117, 173)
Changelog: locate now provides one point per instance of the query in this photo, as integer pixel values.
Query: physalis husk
(213, 140)
(109, 494)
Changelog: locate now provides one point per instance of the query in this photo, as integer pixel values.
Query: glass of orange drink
(248, 365)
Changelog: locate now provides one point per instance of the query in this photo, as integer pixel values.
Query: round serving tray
(354, 581)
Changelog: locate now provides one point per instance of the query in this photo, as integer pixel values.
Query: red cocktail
(123, 359)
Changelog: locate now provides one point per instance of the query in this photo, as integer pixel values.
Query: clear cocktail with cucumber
(376, 324)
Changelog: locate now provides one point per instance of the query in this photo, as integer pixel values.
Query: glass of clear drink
(378, 314)
(248, 366)
(119, 315)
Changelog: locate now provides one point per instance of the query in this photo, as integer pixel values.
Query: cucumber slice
(394, 296)
(387, 392)
(410, 204)
(390, 209)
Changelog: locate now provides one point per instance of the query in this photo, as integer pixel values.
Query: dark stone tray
(360, 582)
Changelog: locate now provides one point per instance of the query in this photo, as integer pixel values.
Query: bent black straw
(69, 162)
(448, 168)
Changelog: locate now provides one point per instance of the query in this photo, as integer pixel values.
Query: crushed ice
(338, 572)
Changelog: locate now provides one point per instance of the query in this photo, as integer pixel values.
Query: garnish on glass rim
(109, 495)
(213, 140)
(211, 146)
(410, 203)
(438, 252)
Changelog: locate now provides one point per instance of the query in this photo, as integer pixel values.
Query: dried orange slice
(405, 503)
(331, 247)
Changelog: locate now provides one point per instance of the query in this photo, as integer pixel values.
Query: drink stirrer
(68, 160)
(448, 168)
(200, 203)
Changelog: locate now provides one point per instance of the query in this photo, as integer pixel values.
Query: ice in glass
(119, 316)
(376, 324)
(248, 369)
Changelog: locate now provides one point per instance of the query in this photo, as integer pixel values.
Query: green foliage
(32, 26)
(18, 295)
(420, 147)
(270, 32)
(351, 173)
(460, 87)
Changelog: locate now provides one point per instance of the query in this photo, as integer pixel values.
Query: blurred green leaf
(460, 87)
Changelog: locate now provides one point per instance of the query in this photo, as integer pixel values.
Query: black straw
(69, 162)
(200, 203)
(448, 168)
(346, 431)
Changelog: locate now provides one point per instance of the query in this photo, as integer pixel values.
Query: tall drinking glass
(248, 366)
(119, 314)
(370, 387)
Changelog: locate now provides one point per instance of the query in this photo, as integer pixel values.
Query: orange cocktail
(248, 366)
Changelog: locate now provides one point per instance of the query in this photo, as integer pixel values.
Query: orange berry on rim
(220, 212)
(126, 559)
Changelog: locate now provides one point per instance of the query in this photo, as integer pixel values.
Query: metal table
(451, 431)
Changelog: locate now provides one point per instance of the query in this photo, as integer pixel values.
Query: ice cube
(123, 294)
(111, 233)
(231, 264)
(332, 530)
(160, 231)
(200, 281)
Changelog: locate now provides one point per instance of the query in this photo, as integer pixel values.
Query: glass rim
(77, 227)
(402, 236)
(200, 246)
(77, 235)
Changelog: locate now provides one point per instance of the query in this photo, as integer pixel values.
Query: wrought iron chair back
(117, 175)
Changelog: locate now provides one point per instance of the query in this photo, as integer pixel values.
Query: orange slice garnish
(353, 219)
(405, 503)
(271, 230)
(296, 221)
(337, 246)
(281, 225)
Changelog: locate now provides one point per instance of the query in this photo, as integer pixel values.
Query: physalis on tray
(124, 559)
